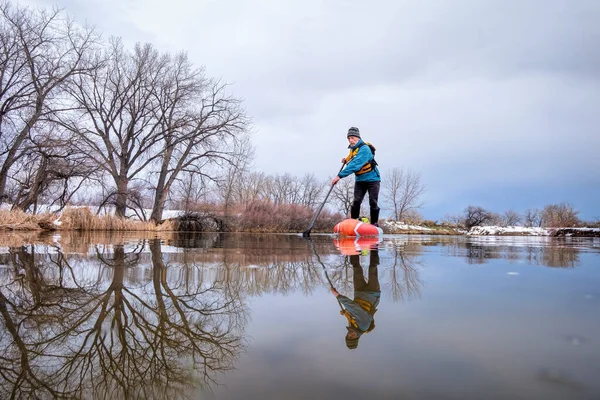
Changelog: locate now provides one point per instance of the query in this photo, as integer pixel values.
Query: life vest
(365, 305)
(369, 165)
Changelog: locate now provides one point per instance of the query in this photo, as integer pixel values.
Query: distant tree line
(560, 215)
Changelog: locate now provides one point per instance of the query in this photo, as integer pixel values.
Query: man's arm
(362, 157)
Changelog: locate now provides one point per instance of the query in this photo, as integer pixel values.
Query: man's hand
(344, 160)
(335, 180)
(335, 292)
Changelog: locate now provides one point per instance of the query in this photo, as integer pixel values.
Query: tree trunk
(11, 156)
(162, 186)
(160, 198)
(121, 199)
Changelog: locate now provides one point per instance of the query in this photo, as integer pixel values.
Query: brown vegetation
(75, 219)
(266, 217)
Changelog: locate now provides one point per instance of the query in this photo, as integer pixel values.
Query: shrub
(264, 216)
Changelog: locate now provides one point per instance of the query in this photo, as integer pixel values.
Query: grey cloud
(472, 93)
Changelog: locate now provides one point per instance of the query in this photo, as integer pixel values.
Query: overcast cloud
(496, 103)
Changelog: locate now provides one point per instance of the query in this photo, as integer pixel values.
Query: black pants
(360, 285)
(360, 189)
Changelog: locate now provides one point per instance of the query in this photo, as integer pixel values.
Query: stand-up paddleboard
(350, 246)
(353, 227)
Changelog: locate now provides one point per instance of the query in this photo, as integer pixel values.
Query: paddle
(324, 270)
(306, 233)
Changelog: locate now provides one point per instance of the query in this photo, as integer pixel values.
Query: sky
(495, 103)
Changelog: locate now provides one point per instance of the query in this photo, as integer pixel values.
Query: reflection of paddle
(324, 269)
(306, 233)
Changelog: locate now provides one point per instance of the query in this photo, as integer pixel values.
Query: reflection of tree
(550, 253)
(100, 335)
(555, 255)
(404, 282)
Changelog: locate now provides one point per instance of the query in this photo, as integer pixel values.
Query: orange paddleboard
(353, 227)
(349, 246)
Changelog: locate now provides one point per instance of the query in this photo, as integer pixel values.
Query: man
(361, 162)
(360, 312)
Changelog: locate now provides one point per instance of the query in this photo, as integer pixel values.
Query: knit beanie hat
(353, 131)
(352, 343)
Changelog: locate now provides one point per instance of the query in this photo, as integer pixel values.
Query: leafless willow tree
(39, 52)
(235, 173)
(52, 170)
(403, 190)
(143, 109)
(201, 125)
(283, 189)
(510, 218)
(532, 218)
(250, 187)
(343, 195)
(189, 191)
(311, 191)
(116, 118)
(560, 215)
(476, 216)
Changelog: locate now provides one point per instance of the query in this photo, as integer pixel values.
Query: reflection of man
(361, 310)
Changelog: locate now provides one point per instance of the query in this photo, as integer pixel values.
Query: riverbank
(83, 219)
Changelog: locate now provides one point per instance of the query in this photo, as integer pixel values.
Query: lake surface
(223, 316)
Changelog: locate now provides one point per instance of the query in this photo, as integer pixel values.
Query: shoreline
(82, 220)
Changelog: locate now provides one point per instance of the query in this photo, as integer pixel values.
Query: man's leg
(358, 277)
(373, 285)
(360, 189)
(373, 199)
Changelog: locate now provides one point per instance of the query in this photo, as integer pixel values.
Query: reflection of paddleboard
(349, 246)
(353, 227)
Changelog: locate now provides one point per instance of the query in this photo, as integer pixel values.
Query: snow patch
(523, 231)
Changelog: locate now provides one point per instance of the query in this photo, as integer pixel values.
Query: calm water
(253, 317)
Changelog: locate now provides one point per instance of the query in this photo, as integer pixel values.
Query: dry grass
(19, 220)
(81, 219)
(84, 220)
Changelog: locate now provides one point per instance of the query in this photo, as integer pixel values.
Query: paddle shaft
(314, 249)
(307, 232)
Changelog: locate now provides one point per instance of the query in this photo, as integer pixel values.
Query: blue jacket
(363, 317)
(362, 157)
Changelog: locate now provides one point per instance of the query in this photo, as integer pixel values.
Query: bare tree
(52, 170)
(343, 195)
(201, 124)
(560, 215)
(39, 52)
(403, 190)
(283, 189)
(251, 187)
(235, 173)
(511, 218)
(456, 220)
(189, 191)
(532, 218)
(310, 191)
(476, 216)
(117, 123)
